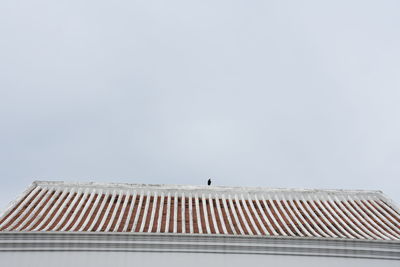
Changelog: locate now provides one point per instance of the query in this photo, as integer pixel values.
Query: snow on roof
(94, 207)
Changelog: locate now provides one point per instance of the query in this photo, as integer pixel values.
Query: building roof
(94, 207)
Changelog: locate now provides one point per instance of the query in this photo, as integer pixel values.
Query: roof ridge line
(205, 187)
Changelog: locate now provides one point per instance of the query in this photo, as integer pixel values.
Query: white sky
(255, 93)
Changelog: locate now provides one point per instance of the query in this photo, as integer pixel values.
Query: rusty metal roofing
(93, 207)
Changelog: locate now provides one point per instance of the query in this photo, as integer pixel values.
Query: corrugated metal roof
(92, 207)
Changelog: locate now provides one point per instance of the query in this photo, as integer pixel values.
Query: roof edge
(202, 187)
(16, 200)
(388, 250)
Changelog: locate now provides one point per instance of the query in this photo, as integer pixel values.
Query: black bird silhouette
(209, 182)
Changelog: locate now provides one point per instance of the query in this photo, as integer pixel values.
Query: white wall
(144, 259)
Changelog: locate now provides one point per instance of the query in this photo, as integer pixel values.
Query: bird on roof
(209, 182)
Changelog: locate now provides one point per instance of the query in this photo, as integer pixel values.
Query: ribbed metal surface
(51, 206)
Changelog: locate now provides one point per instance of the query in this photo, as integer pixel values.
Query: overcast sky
(293, 94)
